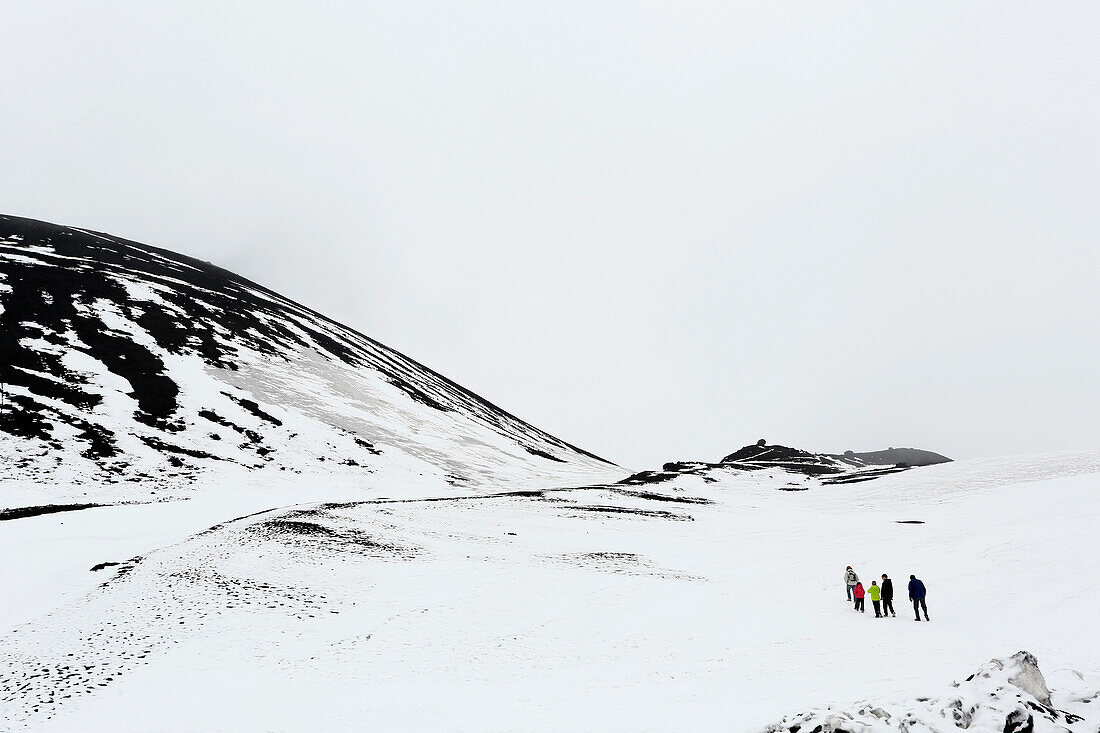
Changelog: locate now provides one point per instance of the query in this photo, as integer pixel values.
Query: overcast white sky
(657, 230)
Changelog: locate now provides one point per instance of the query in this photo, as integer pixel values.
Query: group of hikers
(882, 596)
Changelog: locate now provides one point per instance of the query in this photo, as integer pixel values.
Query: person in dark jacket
(917, 592)
(887, 596)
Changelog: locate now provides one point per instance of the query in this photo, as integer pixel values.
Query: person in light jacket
(887, 596)
(917, 592)
(858, 592)
(874, 592)
(850, 580)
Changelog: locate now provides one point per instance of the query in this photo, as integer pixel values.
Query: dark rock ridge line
(761, 451)
(24, 512)
(897, 456)
(849, 467)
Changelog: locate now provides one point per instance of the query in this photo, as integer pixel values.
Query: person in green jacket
(876, 595)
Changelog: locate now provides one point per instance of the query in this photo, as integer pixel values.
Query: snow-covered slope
(691, 605)
(122, 363)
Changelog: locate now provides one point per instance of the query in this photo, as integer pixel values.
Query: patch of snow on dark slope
(122, 362)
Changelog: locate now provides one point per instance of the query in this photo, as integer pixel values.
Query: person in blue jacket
(917, 592)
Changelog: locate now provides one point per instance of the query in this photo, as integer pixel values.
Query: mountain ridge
(151, 361)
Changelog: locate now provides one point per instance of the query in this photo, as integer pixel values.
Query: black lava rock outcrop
(849, 467)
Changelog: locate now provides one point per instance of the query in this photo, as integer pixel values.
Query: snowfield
(679, 606)
(220, 510)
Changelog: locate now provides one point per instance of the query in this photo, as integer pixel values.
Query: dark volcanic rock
(792, 459)
(896, 456)
(125, 354)
(831, 469)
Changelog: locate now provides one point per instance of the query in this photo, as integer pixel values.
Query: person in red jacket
(859, 593)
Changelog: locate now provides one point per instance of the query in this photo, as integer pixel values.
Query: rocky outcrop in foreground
(1004, 695)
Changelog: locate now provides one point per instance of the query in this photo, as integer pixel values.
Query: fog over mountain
(841, 227)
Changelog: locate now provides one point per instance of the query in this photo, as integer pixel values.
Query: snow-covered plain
(682, 606)
(306, 530)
